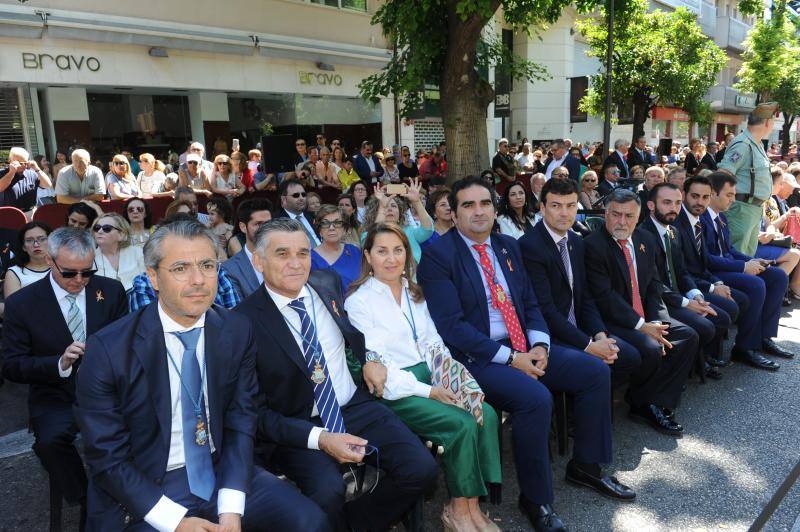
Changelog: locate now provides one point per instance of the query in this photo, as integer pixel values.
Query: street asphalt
(742, 439)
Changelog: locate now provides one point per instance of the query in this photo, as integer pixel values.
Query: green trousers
(744, 223)
(471, 452)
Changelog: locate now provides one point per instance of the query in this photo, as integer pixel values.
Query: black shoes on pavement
(603, 484)
(755, 359)
(542, 516)
(661, 419)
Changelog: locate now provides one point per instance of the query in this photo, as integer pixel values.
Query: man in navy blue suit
(554, 259)
(764, 285)
(484, 307)
(166, 406)
(367, 166)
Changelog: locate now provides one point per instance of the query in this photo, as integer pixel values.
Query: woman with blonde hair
(151, 178)
(120, 181)
(405, 337)
(224, 181)
(115, 257)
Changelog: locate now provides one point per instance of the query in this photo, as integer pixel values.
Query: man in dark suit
(638, 156)
(619, 157)
(554, 259)
(610, 179)
(709, 160)
(623, 278)
(685, 302)
(764, 285)
(251, 215)
(314, 416)
(166, 404)
(293, 206)
(367, 166)
(559, 156)
(44, 335)
(484, 307)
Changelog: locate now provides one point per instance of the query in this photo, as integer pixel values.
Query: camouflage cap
(765, 110)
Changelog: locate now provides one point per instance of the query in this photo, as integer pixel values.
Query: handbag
(452, 375)
(792, 228)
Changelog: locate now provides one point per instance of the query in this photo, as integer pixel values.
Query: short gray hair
(277, 225)
(188, 229)
(620, 143)
(81, 154)
(22, 153)
(621, 195)
(78, 241)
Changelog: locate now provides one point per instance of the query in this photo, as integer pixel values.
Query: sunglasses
(135, 209)
(106, 228)
(223, 164)
(297, 195)
(70, 274)
(120, 163)
(192, 162)
(300, 144)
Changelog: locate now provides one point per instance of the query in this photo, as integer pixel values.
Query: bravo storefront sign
(320, 78)
(61, 62)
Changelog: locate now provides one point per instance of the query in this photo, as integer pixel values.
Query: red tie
(637, 299)
(502, 302)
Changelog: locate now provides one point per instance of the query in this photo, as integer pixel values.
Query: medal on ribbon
(200, 433)
(318, 374)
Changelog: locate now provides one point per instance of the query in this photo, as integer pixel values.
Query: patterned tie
(75, 320)
(673, 279)
(635, 297)
(324, 394)
(199, 469)
(501, 301)
(698, 237)
(723, 244)
(562, 247)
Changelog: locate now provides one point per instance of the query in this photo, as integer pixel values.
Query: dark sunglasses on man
(297, 195)
(106, 228)
(69, 274)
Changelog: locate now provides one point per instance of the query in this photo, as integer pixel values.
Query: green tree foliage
(658, 58)
(445, 43)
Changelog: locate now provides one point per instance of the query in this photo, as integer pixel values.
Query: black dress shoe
(669, 413)
(717, 362)
(771, 348)
(712, 372)
(755, 359)
(655, 417)
(603, 484)
(542, 516)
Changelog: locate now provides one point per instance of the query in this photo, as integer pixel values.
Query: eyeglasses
(135, 209)
(120, 163)
(327, 224)
(590, 180)
(223, 164)
(106, 228)
(191, 162)
(182, 270)
(37, 240)
(70, 274)
(297, 195)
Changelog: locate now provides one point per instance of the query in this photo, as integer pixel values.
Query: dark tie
(325, 396)
(199, 469)
(562, 248)
(673, 280)
(698, 238)
(723, 244)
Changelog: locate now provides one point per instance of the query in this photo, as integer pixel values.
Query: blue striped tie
(324, 394)
(75, 320)
(562, 247)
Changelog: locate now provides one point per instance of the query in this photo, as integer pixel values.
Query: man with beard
(684, 300)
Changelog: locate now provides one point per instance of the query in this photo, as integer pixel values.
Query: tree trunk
(641, 111)
(464, 98)
(788, 120)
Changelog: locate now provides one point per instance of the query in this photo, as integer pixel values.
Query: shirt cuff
(711, 288)
(422, 390)
(639, 324)
(61, 373)
(165, 515)
(313, 438)
(230, 501)
(694, 292)
(684, 302)
(501, 357)
(538, 337)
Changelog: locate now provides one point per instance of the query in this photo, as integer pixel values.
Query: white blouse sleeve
(400, 383)
(507, 227)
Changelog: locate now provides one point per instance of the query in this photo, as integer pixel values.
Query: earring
(370, 273)
(404, 272)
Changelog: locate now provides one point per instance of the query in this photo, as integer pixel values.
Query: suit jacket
(362, 168)
(281, 213)
(696, 263)
(572, 163)
(733, 260)
(672, 295)
(35, 336)
(719, 155)
(124, 411)
(241, 273)
(453, 286)
(553, 291)
(709, 161)
(284, 419)
(610, 282)
(605, 188)
(615, 159)
(636, 159)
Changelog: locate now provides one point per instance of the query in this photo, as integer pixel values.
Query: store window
(139, 123)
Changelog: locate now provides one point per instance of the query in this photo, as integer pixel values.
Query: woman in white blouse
(515, 214)
(400, 333)
(115, 257)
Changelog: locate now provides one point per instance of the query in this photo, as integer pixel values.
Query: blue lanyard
(315, 352)
(197, 409)
(411, 322)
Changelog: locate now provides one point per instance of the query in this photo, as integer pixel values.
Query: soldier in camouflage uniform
(746, 159)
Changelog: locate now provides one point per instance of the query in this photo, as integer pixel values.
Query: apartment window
(577, 90)
(356, 5)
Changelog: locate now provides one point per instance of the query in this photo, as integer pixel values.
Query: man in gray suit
(252, 214)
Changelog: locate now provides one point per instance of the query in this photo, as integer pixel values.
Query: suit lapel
(271, 321)
(216, 349)
(150, 349)
(95, 301)
(51, 308)
(640, 251)
(474, 272)
(506, 266)
(246, 268)
(619, 256)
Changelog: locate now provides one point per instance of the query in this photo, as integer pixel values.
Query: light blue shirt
(497, 326)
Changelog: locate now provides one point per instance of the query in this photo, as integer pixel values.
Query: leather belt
(752, 200)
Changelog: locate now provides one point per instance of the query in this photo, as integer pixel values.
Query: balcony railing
(729, 100)
(731, 33)
(708, 19)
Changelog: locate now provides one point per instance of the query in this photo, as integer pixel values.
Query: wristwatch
(511, 358)
(374, 356)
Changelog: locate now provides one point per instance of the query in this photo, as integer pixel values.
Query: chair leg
(560, 410)
(55, 507)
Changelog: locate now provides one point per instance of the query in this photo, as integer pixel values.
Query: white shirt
(662, 230)
(166, 514)
(693, 220)
(632, 252)
(63, 304)
(508, 227)
(558, 238)
(27, 276)
(259, 275)
(310, 230)
(389, 333)
(525, 160)
(131, 264)
(331, 341)
(555, 163)
(370, 163)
